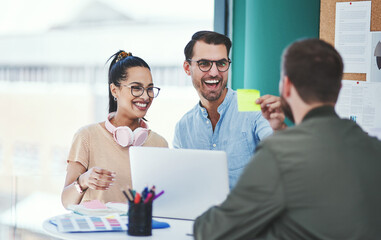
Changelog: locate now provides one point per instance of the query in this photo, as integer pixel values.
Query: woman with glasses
(98, 162)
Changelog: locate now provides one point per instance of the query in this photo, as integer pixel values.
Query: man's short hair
(208, 37)
(315, 68)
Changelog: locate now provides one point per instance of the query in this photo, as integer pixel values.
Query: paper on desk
(94, 204)
(246, 100)
(118, 207)
(96, 208)
(76, 223)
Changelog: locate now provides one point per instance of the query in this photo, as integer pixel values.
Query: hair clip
(122, 55)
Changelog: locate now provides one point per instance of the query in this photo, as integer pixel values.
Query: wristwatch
(77, 186)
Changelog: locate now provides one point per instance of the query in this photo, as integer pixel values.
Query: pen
(153, 188)
(145, 192)
(132, 193)
(158, 195)
(149, 196)
(137, 198)
(128, 197)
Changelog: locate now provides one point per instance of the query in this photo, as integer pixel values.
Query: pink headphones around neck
(124, 136)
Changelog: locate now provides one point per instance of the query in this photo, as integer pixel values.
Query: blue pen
(145, 192)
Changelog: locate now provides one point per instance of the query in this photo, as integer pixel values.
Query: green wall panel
(238, 47)
(269, 26)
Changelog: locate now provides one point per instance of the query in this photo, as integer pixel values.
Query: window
(53, 80)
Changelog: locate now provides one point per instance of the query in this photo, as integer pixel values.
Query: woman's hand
(97, 178)
(94, 178)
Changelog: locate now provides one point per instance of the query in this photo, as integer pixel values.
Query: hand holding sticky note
(246, 100)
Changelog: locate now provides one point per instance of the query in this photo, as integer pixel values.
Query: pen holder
(140, 219)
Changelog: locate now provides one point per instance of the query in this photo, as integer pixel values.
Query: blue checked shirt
(236, 133)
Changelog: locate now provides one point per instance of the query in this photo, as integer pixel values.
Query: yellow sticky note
(246, 100)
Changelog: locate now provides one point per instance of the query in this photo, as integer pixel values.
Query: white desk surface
(178, 231)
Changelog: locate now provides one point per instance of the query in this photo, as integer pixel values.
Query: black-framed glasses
(137, 91)
(205, 65)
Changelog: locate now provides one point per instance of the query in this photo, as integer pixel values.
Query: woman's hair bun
(122, 55)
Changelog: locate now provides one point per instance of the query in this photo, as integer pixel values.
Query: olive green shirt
(318, 180)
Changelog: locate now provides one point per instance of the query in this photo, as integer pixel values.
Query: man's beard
(286, 109)
(217, 94)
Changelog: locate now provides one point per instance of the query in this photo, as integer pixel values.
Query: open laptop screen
(193, 180)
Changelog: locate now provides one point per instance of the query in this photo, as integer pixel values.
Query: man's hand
(271, 110)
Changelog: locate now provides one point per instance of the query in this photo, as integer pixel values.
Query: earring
(115, 99)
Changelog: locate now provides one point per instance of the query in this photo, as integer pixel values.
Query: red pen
(149, 196)
(137, 198)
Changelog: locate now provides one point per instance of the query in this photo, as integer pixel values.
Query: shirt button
(214, 145)
(207, 122)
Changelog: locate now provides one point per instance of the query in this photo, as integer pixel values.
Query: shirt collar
(226, 101)
(223, 105)
(322, 111)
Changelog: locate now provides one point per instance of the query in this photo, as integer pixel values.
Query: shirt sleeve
(262, 128)
(176, 139)
(79, 151)
(256, 200)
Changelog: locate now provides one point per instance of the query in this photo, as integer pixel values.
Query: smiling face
(210, 85)
(128, 105)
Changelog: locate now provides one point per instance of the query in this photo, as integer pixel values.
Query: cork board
(327, 26)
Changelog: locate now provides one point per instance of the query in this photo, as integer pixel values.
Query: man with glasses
(215, 123)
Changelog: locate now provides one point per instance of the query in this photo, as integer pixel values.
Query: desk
(177, 231)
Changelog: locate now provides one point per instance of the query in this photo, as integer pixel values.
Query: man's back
(330, 171)
(318, 180)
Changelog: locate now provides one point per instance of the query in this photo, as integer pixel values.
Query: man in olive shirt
(317, 180)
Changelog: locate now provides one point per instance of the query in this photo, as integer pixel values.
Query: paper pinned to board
(246, 100)
(359, 102)
(352, 35)
(375, 62)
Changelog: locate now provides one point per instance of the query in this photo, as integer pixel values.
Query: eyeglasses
(137, 91)
(206, 65)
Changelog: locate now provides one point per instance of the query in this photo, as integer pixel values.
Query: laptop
(192, 180)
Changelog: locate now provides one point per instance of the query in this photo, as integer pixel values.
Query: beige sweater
(94, 146)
